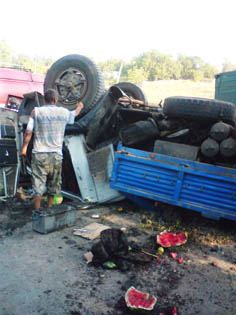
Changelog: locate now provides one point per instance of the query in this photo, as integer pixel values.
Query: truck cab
(18, 82)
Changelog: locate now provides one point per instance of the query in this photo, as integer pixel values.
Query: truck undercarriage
(184, 128)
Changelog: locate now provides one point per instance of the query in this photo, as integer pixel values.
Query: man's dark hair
(50, 95)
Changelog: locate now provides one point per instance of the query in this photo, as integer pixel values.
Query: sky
(122, 29)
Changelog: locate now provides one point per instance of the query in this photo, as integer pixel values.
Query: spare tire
(133, 90)
(75, 78)
(201, 109)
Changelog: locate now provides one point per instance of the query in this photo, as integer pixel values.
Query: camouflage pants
(46, 173)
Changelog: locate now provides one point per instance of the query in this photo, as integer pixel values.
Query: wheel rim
(71, 85)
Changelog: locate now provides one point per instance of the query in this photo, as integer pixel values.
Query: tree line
(36, 64)
(153, 65)
(149, 66)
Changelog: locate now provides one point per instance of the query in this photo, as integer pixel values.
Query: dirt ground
(161, 89)
(47, 274)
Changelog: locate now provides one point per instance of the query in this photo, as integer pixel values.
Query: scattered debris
(95, 216)
(111, 247)
(173, 255)
(174, 311)
(91, 231)
(149, 254)
(89, 257)
(109, 265)
(172, 284)
(80, 230)
(214, 264)
(161, 250)
(22, 193)
(180, 260)
(141, 301)
(166, 239)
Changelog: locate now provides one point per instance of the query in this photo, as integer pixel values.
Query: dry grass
(159, 90)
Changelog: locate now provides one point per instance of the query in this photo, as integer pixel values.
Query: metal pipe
(72, 196)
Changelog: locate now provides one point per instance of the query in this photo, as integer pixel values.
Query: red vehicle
(18, 82)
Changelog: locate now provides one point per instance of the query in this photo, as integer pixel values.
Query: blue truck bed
(206, 188)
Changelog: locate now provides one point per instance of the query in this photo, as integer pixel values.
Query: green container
(225, 86)
(57, 200)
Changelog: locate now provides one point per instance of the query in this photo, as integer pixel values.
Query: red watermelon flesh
(166, 239)
(138, 300)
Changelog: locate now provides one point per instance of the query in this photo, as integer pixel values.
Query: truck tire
(138, 132)
(200, 109)
(75, 78)
(133, 90)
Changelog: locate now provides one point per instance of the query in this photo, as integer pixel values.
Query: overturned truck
(181, 153)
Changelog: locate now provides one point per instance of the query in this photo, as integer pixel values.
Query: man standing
(48, 123)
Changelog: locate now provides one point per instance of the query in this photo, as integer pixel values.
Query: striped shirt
(49, 123)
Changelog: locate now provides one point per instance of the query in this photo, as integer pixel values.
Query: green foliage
(157, 66)
(228, 66)
(209, 71)
(151, 66)
(187, 67)
(5, 52)
(177, 69)
(36, 65)
(110, 65)
(194, 68)
(136, 75)
(110, 82)
(196, 75)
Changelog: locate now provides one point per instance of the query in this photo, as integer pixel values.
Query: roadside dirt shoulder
(48, 274)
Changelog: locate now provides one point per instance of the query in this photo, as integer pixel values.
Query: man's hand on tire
(79, 107)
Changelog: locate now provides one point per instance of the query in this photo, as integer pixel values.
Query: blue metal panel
(203, 187)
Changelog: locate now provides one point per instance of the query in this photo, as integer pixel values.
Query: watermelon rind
(145, 297)
(166, 239)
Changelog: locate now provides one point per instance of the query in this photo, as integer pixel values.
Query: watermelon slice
(166, 239)
(139, 301)
(173, 255)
